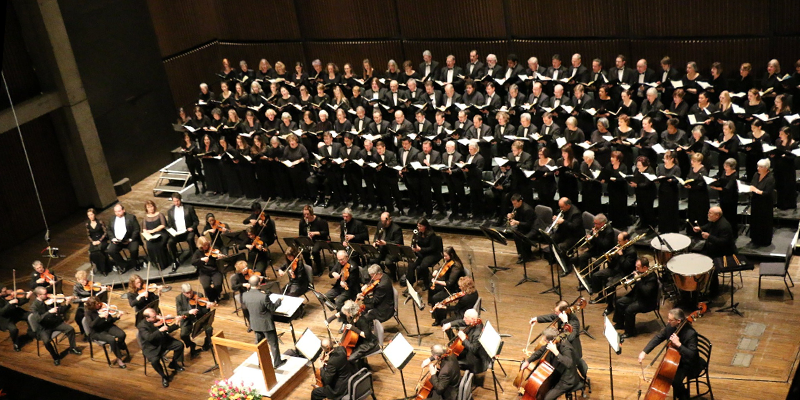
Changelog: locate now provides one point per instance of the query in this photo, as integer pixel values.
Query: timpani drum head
(691, 271)
(677, 241)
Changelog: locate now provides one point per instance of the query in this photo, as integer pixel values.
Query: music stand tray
(494, 236)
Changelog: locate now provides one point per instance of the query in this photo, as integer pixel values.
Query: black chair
(55, 337)
(161, 358)
(465, 386)
(359, 386)
(779, 269)
(88, 329)
(377, 330)
(704, 352)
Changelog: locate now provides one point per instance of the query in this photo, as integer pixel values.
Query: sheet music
(490, 340)
(173, 232)
(414, 295)
(309, 344)
(398, 351)
(611, 335)
(289, 304)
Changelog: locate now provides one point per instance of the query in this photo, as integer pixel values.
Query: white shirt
(449, 76)
(641, 78)
(664, 76)
(555, 74)
(427, 69)
(469, 160)
(119, 227)
(574, 71)
(471, 67)
(508, 72)
(405, 156)
(449, 160)
(619, 74)
(180, 221)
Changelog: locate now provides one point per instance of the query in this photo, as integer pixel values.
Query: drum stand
(733, 308)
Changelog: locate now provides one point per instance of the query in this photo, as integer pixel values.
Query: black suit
(182, 307)
(129, 241)
(455, 80)
(478, 70)
(260, 309)
(720, 241)
(429, 254)
(495, 72)
(433, 72)
(380, 302)
(388, 189)
(392, 235)
(430, 179)
(455, 181)
(411, 177)
(690, 365)
(10, 314)
(156, 343)
(352, 172)
(578, 75)
(641, 299)
(473, 171)
(334, 375)
(526, 217)
(564, 363)
(190, 221)
(618, 267)
(445, 382)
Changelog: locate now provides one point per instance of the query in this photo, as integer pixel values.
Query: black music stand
(200, 326)
(399, 352)
(518, 236)
(367, 251)
(401, 254)
(494, 236)
(719, 265)
(614, 342)
(417, 303)
(553, 276)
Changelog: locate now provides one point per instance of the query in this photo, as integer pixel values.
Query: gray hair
(731, 162)
(572, 121)
(316, 62)
(437, 350)
(533, 60)
(242, 63)
(473, 143)
(323, 112)
(36, 263)
(426, 53)
(652, 91)
(601, 218)
(203, 86)
(350, 308)
(186, 288)
(525, 116)
(763, 163)
(286, 115)
(588, 153)
(347, 211)
(254, 281)
(603, 121)
(374, 269)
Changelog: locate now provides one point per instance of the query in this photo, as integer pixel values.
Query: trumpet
(573, 251)
(628, 281)
(605, 257)
(553, 226)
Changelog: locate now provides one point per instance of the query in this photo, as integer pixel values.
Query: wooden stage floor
(772, 364)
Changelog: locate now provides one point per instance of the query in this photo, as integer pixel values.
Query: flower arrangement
(227, 390)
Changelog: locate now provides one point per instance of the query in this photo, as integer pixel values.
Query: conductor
(260, 309)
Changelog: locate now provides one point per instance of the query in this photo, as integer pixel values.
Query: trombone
(573, 251)
(552, 226)
(628, 281)
(607, 256)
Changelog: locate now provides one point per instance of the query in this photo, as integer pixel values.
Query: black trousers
(188, 237)
(316, 254)
(274, 348)
(115, 337)
(186, 335)
(46, 334)
(339, 296)
(206, 280)
(625, 313)
(114, 250)
(420, 269)
(455, 187)
(11, 325)
(100, 259)
(352, 175)
(176, 347)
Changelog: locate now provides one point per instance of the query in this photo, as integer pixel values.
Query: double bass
(665, 374)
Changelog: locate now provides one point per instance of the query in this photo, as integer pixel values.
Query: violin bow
(530, 332)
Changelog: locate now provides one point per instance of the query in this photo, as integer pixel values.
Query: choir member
(754, 105)
(621, 134)
(386, 176)
(761, 194)
(769, 84)
(690, 82)
(473, 168)
(679, 109)
(782, 160)
(698, 202)
(744, 82)
(228, 167)
(331, 76)
(392, 71)
(240, 100)
(408, 72)
(567, 172)
(668, 193)
(647, 139)
(626, 104)
(617, 190)
(124, 234)
(227, 74)
(190, 152)
(265, 71)
(599, 141)
(226, 97)
(455, 180)
(232, 128)
(645, 190)
(296, 156)
(728, 188)
(545, 184)
(718, 82)
(728, 143)
(591, 188)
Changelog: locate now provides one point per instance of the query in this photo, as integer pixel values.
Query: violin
(55, 299)
(93, 286)
(47, 275)
(218, 226)
(449, 299)
(15, 293)
(108, 309)
(258, 244)
(293, 267)
(247, 272)
(370, 287)
(166, 320)
(196, 300)
(214, 253)
(441, 273)
(152, 288)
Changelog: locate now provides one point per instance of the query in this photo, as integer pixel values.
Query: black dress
(193, 163)
(783, 167)
(729, 198)
(698, 197)
(668, 197)
(617, 195)
(645, 197)
(97, 253)
(545, 186)
(732, 145)
(624, 147)
(246, 170)
(591, 189)
(761, 210)
(229, 174)
(157, 248)
(567, 180)
(212, 169)
(754, 152)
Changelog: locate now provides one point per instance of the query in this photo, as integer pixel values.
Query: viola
(166, 320)
(214, 253)
(92, 286)
(152, 288)
(441, 273)
(12, 294)
(247, 272)
(218, 225)
(449, 299)
(293, 267)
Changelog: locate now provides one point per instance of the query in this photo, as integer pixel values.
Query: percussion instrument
(691, 271)
(678, 242)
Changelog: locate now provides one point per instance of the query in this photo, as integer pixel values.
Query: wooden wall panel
(257, 20)
(18, 201)
(441, 49)
(289, 53)
(606, 50)
(187, 71)
(347, 19)
(23, 83)
(786, 51)
(785, 15)
(183, 24)
(698, 18)
(379, 53)
(445, 19)
(730, 52)
(573, 18)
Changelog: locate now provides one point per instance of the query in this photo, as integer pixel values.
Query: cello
(538, 383)
(665, 374)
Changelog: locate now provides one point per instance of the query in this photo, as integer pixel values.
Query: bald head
(714, 214)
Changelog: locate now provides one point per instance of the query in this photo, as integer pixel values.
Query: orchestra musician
(521, 218)
(354, 321)
(51, 319)
(11, 312)
(570, 228)
(456, 304)
(103, 327)
(81, 295)
(387, 233)
(316, 229)
(191, 313)
(621, 265)
(42, 277)
(427, 246)
(265, 224)
(334, 374)
(685, 342)
(445, 279)
(298, 279)
(258, 254)
(559, 314)
(561, 357)
(347, 280)
(379, 300)
(154, 335)
(352, 230)
(474, 357)
(139, 297)
(205, 259)
(642, 298)
(444, 371)
(261, 310)
(597, 246)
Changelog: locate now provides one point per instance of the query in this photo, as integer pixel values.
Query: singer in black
(617, 190)
(685, 341)
(762, 187)
(427, 246)
(668, 195)
(641, 299)
(316, 229)
(645, 190)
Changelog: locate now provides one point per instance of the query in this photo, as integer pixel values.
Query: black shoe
(56, 361)
(280, 363)
(436, 323)
(520, 260)
(564, 273)
(318, 203)
(137, 267)
(627, 335)
(192, 353)
(175, 266)
(16, 348)
(75, 350)
(326, 204)
(165, 382)
(173, 365)
(207, 345)
(619, 327)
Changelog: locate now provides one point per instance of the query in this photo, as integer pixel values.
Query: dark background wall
(195, 35)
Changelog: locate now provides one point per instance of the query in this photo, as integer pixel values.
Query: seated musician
(334, 373)
(347, 281)
(154, 335)
(560, 357)
(260, 309)
(720, 241)
(522, 218)
(51, 319)
(356, 323)
(82, 294)
(560, 315)
(641, 299)
(387, 233)
(124, 234)
(622, 263)
(474, 357)
(103, 327)
(11, 312)
(189, 305)
(428, 249)
(183, 219)
(316, 229)
(570, 228)
(444, 371)
(445, 279)
(139, 297)
(379, 298)
(456, 304)
(295, 267)
(238, 281)
(43, 277)
(205, 259)
(685, 341)
(257, 250)
(352, 230)
(218, 232)
(262, 220)
(598, 242)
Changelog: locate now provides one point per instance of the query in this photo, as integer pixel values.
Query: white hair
(652, 91)
(473, 143)
(203, 86)
(186, 288)
(323, 112)
(589, 154)
(533, 60)
(374, 269)
(426, 53)
(491, 57)
(572, 121)
(763, 163)
(525, 116)
(286, 115)
(347, 211)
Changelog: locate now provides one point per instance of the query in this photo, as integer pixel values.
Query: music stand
(309, 346)
(418, 303)
(553, 275)
(493, 289)
(367, 251)
(614, 341)
(399, 352)
(518, 236)
(494, 236)
(202, 323)
(492, 343)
